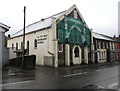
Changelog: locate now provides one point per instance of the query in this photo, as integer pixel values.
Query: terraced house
(63, 39)
(106, 48)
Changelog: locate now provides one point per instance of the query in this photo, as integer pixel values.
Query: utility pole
(23, 44)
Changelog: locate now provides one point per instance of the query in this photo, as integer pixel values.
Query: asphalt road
(104, 77)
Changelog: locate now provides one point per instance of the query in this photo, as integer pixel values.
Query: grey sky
(100, 15)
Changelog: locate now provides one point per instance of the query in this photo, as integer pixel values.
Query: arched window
(27, 44)
(76, 51)
(35, 43)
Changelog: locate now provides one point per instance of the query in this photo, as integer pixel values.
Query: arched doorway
(76, 55)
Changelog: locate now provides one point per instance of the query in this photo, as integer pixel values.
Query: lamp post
(23, 44)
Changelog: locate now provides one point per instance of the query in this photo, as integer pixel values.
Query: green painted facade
(73, 31)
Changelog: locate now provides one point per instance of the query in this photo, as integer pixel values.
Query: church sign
(41, 38)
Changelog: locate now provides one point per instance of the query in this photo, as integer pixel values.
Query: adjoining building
(106, 49)
(117, 48)
(61, 39)
(4, 54)
(119, 18)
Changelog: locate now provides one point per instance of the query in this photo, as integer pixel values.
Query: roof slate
(101, 36)
(43, 23)
(4, 26)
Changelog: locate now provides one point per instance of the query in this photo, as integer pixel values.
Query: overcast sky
(100, 15)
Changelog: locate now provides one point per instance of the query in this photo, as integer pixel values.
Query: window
(27, 44)
(111, 46)
(16, 46)
(99, 45)
(103, 45)
(76, 52)
(107, 45)
(12, 45)
(60, 47)
(102, 55)
(75, 14)
(28, 47)
(35, 43)
(99, 55)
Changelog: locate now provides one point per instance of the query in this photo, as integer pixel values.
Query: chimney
(114, 36)
(9, 36)
(42, 19)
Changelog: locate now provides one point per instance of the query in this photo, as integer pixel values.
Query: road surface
(104, 77)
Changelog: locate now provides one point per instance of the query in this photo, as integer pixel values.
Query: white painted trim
(67, 54)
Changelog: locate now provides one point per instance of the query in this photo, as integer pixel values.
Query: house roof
(43, 23)
(4, 26)
(103, 37)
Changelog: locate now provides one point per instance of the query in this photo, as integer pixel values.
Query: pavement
(13, 71)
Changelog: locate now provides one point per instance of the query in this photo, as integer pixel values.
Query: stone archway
(76, 55)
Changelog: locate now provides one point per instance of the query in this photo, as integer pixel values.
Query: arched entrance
(76, 55)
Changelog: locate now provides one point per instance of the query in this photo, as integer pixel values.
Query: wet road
(63, 78)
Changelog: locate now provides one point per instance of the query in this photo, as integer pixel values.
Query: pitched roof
(103, 37)
(43, 23)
